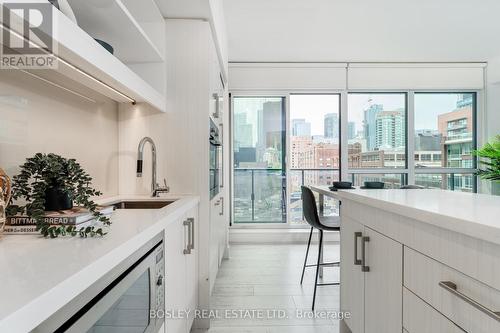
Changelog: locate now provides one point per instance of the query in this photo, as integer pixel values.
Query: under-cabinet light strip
(71, 66)
(56, 85)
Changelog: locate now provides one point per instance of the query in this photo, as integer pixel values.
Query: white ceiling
(183, 8)
(363, 30)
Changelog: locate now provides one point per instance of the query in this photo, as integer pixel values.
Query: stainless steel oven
(215, 151)
(130, 299)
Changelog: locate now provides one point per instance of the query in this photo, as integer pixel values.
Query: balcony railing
(457, 137)
(265, 195)
(260, 195)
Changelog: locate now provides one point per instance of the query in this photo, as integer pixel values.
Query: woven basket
(5, 193)
(3, 206)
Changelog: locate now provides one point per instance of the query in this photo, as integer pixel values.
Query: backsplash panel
(37, 117)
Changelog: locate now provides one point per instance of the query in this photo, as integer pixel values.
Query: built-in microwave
(129, 299)
(215, 151)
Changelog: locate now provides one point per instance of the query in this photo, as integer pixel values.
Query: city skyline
(443, 138)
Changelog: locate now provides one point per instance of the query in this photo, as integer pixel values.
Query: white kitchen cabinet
(383, 283)
(428, 269)
(371, 279)
(352, 286)
(420, 317)
(192, 268)
(181, 272)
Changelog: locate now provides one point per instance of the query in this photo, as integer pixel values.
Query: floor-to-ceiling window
(314, 149)
(259, 169)
(406, 137)
(444, 140)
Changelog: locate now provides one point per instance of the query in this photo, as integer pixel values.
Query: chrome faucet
(155, 187)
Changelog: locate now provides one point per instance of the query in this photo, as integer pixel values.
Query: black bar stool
(310, 211)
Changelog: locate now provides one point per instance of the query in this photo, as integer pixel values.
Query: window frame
(476, 114)
(408, 173)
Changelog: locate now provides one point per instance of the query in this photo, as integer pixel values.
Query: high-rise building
(300, 127)
(331, 125)
(369, 125)
(456, 127)
(389, 130)
(269, 129)
(427, 140)
(351, 130)
(243, 131)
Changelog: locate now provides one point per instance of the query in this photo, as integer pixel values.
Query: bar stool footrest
(334, 264)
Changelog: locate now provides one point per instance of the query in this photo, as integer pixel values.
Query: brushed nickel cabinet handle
(221, 167)
(356, 236)
(222, 206)
(191, 223)
(452, 288)
(364, 267)
(187, 224)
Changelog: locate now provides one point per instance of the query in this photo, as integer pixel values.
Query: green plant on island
(489, 158)
(50, 173)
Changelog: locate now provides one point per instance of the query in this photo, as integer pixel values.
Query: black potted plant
(51, 182)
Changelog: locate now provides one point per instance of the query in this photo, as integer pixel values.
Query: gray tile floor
(267, 277)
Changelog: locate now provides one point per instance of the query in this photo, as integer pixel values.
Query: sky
(314, 107)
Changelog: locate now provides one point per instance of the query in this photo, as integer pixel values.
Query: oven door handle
(191, 240)
(187, 223)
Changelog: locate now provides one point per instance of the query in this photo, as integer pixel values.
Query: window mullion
(410, 138)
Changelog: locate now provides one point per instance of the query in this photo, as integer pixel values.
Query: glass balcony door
(259, 154)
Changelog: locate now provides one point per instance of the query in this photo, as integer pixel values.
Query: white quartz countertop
(472, 214)
(39, 276)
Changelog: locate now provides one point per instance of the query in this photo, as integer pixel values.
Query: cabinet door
(192, 270)
(175, 278)
(352, 283)
(383, 283)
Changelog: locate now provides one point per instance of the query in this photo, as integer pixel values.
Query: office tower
(331, 125)
(351, 130)
(300, 127)
(369, 126)
(389, 129)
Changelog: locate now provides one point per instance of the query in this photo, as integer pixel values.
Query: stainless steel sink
(153, 204)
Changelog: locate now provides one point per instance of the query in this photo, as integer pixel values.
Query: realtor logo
(27, 35)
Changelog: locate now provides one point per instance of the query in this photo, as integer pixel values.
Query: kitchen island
(419, 260)
(39, 276)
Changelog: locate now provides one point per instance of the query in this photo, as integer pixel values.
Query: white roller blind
(416, 76)
(287, 76)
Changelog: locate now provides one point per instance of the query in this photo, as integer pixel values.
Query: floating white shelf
(89, 64)
(112, 22)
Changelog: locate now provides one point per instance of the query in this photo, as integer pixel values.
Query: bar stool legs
(318, 266)
(307, 253)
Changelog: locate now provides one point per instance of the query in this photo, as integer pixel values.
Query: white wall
(493, 98)
(37, 117)
(492, 120)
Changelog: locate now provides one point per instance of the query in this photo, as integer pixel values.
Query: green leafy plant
(490, 158)
(51, 171)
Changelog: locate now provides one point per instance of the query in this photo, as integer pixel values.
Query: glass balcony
(447, 181)
(300, 177)
(259, 196)
(459, 137)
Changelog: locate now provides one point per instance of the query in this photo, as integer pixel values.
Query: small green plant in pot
(51, 182)
(489, 156)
